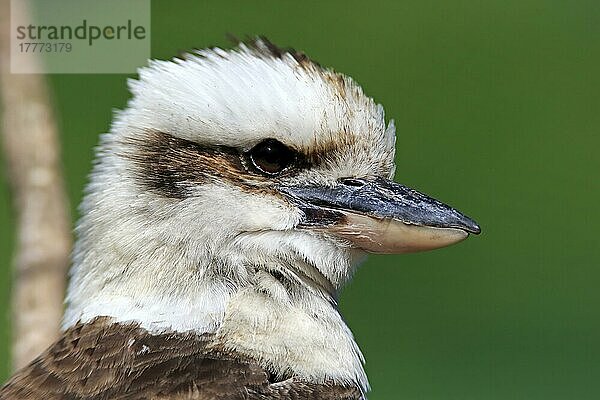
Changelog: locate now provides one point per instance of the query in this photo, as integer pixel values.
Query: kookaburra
(229, 204)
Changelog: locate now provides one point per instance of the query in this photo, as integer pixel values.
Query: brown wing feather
(102, 360)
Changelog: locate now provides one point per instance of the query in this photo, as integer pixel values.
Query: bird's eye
(271, 156)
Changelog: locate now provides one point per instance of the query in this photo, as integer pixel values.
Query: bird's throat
(291, 326)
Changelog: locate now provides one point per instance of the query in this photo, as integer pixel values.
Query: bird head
(259, 154)
(229, 160)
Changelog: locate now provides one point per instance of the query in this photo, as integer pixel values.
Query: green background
(497, 106)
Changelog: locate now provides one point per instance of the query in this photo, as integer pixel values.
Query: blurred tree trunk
(43, 226)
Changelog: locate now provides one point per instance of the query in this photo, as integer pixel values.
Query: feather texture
(102, 360)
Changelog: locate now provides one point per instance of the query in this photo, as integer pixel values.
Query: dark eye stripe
(176, 168)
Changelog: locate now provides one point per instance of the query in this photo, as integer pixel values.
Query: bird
(229, 203)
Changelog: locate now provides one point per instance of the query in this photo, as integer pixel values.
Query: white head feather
(198, 262)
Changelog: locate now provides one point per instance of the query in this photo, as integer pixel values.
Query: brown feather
(103, 360)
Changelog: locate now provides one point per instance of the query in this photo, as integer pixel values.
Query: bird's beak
(380, 216)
